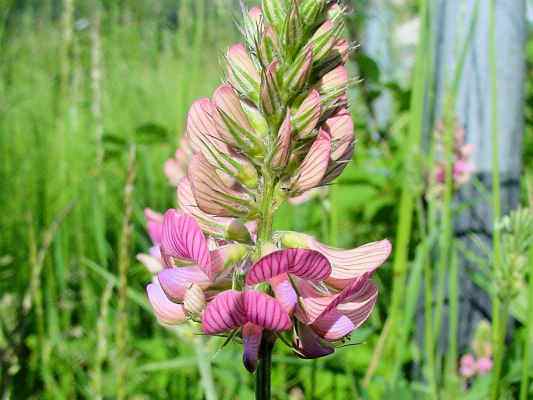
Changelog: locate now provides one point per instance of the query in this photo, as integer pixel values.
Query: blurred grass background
(95, 93)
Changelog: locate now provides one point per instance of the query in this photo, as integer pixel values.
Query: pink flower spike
(251, 337)
(484, 365)
(182, 238)
(310, 345)
(175, 281)
(303, 263)
(224, 313)
(265, 311)
(166, 311)
(314, 165)
(154, 225)
(468, 366)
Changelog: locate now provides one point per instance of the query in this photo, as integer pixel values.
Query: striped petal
(283, 144)
(251, 338)
(154, 225)
(202, 131)
(166, 311)
(314, 165)
(224, 313)
(307, 115)
(175, 281)
(284, 292)
(340, 127)
(314, 304)
(212, 225)
(183, 238)
(265, 311)
(306, 264)
(346, 264)
(310, 345)
(212, 195)
(242, 73)
(348, 316)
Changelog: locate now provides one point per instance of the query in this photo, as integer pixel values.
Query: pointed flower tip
(166, 311)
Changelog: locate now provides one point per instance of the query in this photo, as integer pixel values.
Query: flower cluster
(276, 129)
(462, 166)
(480, 362)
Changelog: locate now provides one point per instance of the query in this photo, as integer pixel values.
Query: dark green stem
(264, 368)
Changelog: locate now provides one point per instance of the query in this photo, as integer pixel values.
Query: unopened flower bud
(242, 72)
(194, 300)
(283, 144)
(322, 40)
(238, 232)
(270, 93)
(307, 115)
(275, 11)
(293, 30)
(310, 10)
(299, 71)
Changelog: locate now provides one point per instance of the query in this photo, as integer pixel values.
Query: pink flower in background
(484, 365)
(176, 168)
(463, 167)
(468, 367)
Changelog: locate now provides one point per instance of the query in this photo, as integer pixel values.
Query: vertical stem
(264, 368)
(498, 323)
(453, 317)
(499, 343)
(429, 341)
(528, 338)
(204, 367)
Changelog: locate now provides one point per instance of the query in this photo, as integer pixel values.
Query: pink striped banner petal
(224, 313)
(265, 311)
(154, 225)
(304, 263)
(183, 238)
(166, 311)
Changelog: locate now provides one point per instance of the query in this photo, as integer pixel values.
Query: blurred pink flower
(484, 365)
(468, 367)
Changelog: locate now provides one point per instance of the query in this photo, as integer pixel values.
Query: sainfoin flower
(278, 128)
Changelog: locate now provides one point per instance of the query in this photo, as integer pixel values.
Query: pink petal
(314, 304)
(242, 73)
(307, 115)
(484, 365)
(350, 264)
(175, 281)
(283, 144)
(224, 313)
(284, 292)
(468, 367)
(307, 264)
(154, 225)
(212, 195)
(334, 81)
(228, 102)
(310, 345)
(314, 165)
(167, 312)
(153, 264)
(202, 131)
(251, 337)
(182, 238)
(348, 315)
(265, 311)
(210, 224)
(341, 129)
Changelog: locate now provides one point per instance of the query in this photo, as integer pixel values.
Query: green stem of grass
(453, 293)
(499, 320)
(528, 337)
(408, 195)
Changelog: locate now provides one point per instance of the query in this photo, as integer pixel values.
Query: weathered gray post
(473, 108)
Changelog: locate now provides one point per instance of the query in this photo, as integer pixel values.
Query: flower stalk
(277, 129)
